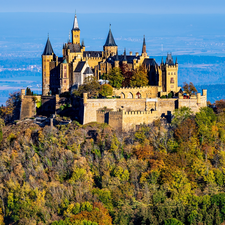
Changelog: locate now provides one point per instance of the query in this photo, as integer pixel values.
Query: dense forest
(92, 175)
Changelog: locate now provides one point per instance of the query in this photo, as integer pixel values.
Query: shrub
(106, 90)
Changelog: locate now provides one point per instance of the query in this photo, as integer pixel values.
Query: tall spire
(125, 55)
(144, 45)
(75, 23)
(48, 48)
(82, 43)
(162, 61)
(110, 40)
(176, 61)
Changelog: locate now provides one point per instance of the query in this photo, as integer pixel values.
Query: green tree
(115, 77)
(106, 90)
(139, 78)
(173, 221)
(90, 86)
(180, 115)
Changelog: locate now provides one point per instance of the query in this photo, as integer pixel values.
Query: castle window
(171, 80)
(172, 73)
(168, 73)
(64, 67)
(64, 81)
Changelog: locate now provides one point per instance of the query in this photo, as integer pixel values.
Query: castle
(134, 105)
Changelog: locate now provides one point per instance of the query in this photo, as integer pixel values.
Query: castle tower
(47, 57)
(75, 31)
(64, 76)
(144, 53)
(110, 48)
(169, 75)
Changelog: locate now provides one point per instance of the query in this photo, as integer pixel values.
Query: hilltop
(160, 174)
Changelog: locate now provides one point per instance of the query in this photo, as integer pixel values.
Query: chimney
(131, 53)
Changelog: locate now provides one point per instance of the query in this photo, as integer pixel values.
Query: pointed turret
(75, 31)
(162, 61)
(176, 61)
(110, 47)
(75, 23)
(110, 40)
(48, 48)
(144, 46)
(124, 56)
(82, 45)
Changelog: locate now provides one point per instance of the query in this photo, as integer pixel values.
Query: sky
(116, 6)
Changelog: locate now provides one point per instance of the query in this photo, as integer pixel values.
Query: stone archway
(122, 95)
(130, 95)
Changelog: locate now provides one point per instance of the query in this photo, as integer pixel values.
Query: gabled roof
(149, 62)
(92, 54)
(75, 23)
(88, 71)
(110, 40)
(80, 66)
(48, 48)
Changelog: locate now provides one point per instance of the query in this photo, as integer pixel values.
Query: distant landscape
(197, 41)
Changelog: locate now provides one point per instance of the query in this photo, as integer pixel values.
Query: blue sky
(116, 6)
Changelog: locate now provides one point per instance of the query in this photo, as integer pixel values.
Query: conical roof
(125, 55)
(110, 40)
(64, 61)
(75, 23)
(144, 45)
(48, 48)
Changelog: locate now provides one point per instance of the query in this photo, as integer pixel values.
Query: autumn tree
(11, 111)
(220, 105)
(115, 77)
(189, 88)
(139, 78)
(106, 90)
(127, 74)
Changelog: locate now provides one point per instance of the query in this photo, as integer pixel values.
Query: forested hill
(88, 175)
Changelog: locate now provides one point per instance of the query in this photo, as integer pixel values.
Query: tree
(90, 86)
(220, 105)
(173, 221)
(28, 91)
(115, 77)
(190, 88)
(11, 111)
(180, 115)
(139, 78)
(127, 74)
(106, 90)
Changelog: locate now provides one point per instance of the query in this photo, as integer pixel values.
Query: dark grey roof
(129, 58)
(74, 47)
(92, 54)
(48, 48)
(149, 62)
(110, 40)
(80, 66)
(169, 59)
(88, 71)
